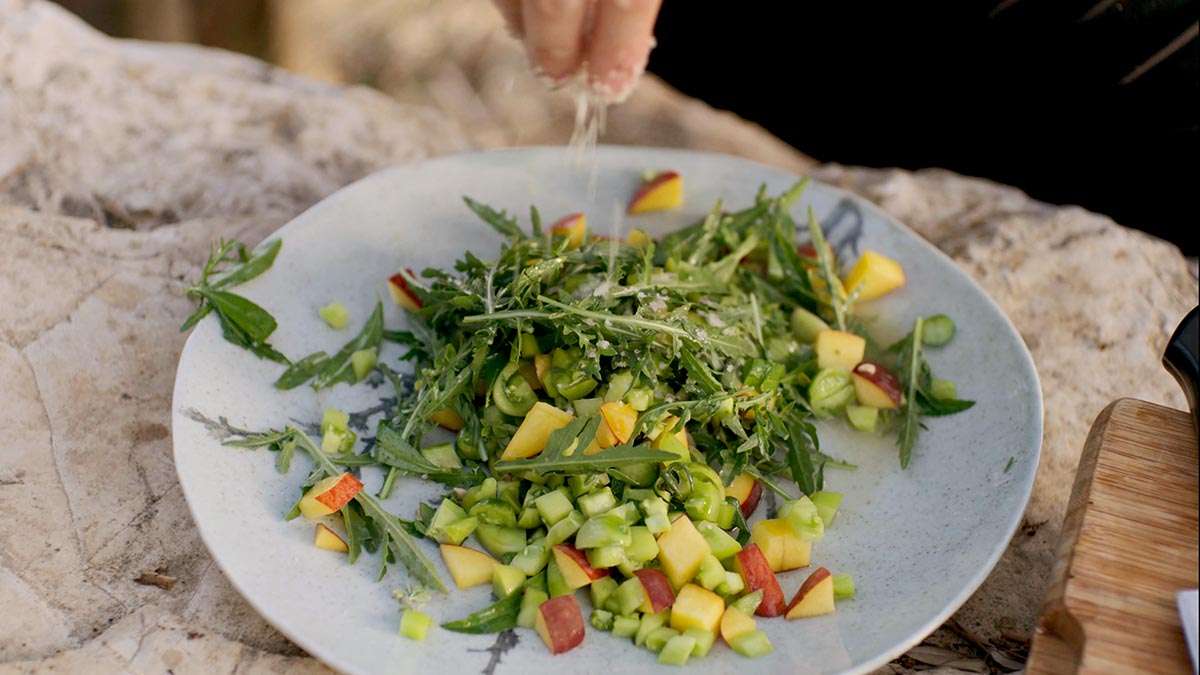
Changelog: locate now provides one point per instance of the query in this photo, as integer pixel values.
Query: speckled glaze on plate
(918, 542)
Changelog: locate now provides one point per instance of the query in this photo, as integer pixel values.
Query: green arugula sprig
(324, 370)
(369, 524)
(243, 323)
(916, 377)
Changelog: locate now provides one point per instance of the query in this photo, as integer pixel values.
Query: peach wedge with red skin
(754, 568)
(876, 386)
(401, 289)
(734, 622)
(560, 623)
(467, 566)
(659, 595)
(328, 495)
(815, 597)
(662, 192)
(329, 540)
(573, 227)
(874, 275)
(746, 491)
(576, 570)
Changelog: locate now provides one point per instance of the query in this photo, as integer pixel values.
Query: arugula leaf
(243, 322)
(910, 359)
(326, 371)
(499, 220)
(392, 450)
(258, 262)
(496, 618)
(564, 452)
(301, 371)
(938, 407)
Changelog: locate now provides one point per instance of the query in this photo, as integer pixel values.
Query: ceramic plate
(918, 542)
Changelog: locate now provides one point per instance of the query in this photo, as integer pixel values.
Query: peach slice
(576, 570)
(560, 623)
(402, 293)
(663, 191)
(329, 540)
(659, 595)
(876, 274)
(734, 623)
(697, 607)
(637, 238)
(328, 495)
(531, 437)
(467, 566)
(876, 386)
(681, 549)
(752, 565)
(815, 597)
(573, 226)
(746, 491)
(619, 417)
(780, 545)
(837, 349)
(447, 418)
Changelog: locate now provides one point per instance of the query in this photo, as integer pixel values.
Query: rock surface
(120, 161)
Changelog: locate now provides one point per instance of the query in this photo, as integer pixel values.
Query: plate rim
(317, 650)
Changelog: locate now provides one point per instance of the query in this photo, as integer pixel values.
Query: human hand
(604, 42)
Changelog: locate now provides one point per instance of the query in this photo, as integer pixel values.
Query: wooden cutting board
(1129, 543)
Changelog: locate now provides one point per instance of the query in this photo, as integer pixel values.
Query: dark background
(1041, 94)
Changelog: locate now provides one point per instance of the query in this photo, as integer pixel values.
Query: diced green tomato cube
(704, 641)
(658, 523)
(722, 544)
(500, 540)
(565, 528)
(363, 362)
(335, 314)
(748, 604)
(806, 325)
(532, 558)
(458, 531)
(629, 511)
(827, 504)
(506, 579)
(862, 417)
(529, 518)
(554, 506)
(628, 567)
(943, 389)
(639, 398)
(630, 595)
(600, 589)
(587, 407)
(485, 490)
(443, 455)
(625, 626)
(711, 572)
(677, 650)
(725, 514)
(493, 511)
(618, 386)
(641, 475)
(830, 391)
(337, 440)
(604, 557)
(581, 484)
(555, 583)
(447, 512)
(595, 503)
(529, 346)
(752, 645)
(637, 494)
(606, 529)
(333, 418)
(658, 638)
(509, 491)
(643, 548)
(601, 619)
(575, 386)
(530, 601)
(804, 519)
(537, 581)
(732, 585)
(843, 587)
(415, 625)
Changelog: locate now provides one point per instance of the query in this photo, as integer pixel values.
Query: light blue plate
(918, 542)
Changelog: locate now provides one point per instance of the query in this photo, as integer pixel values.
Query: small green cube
(415, 625)
(336, 315)
(677, 650)
(752, 645)
(704, 640)
(363, 361)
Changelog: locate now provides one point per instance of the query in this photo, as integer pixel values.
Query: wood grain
(1129, 543)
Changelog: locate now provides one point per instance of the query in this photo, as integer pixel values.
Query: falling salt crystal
(603, 344)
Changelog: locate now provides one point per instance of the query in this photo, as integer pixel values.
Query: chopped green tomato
(939, 329)
(711, 573)
(532, 559)
(653, 505)
(587, 407)
(752, 644)
(625, 626)
(639, 398)
(603, 557)
(485, 490)
(509, 491)
(458, 531)
(725, 515)
(335, 314)
(529, 346)
(363, 362)
(594, 503)
(529, 518)
(530, 601)
(677, 650)
(641, 475)
(500, 540)
(862, 417)
(601, 619)
(722, 544)
(704, 641)
(333, 418)
(804, 519)
(537, 581)
(447, 512)
(705, 502)
(643, 547)
(337, 441)
(830, 391)
(443, 455)
(827, 504)
(943, 390)
(628, 567)
(806, 325)
(554, 506)
(511, 392)
(627, 511)
(493, 511)
(576, 386)
(415, 625)
(843, 587)
(581, 484)
(555, 583)
(618, 386)
(658, 523)
(563, 529)
(659, 637)
(506, 580)
(731, 586)
(600, 589)
(630, 595)
(748, 604)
